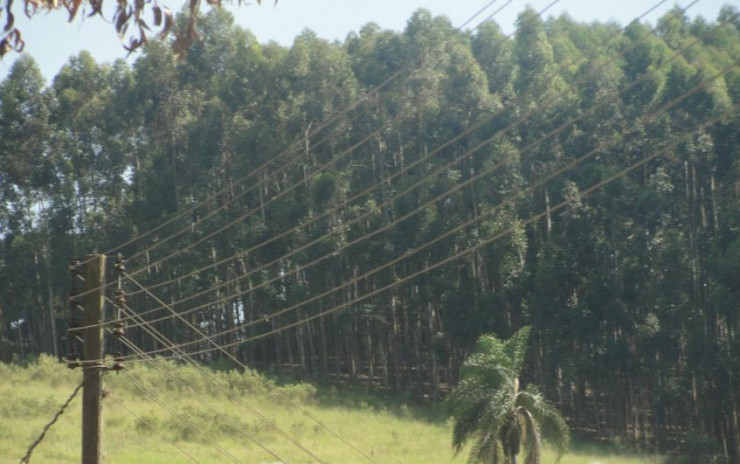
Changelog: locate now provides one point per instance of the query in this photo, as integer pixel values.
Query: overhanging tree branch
(135, 21)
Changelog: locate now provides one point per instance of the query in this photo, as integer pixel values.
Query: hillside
(184, 429)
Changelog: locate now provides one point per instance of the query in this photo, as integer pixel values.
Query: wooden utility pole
(92, 359)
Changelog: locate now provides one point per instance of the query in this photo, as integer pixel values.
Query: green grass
(138, 430)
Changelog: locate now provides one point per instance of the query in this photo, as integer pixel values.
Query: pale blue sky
(51, 41)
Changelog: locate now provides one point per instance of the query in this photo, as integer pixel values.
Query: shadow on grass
(372, 398)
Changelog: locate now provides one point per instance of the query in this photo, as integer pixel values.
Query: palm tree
(489, 407)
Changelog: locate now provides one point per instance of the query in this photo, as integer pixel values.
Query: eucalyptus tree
(92, 144)
(26, 168)
(27, 186)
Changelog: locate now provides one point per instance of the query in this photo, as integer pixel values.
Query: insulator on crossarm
(118, 361)
(119, 297)
(119, 328)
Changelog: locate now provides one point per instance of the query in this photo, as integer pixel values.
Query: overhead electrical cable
(184, 420)
(480, 12)
(510, 200)
(156, 362)
(686, 136)
(474, 178)
(133, 273)
(338, 116)
(175, 349)
(406, 168)
(241, 364)
(152, 427)
(283, 193)
(418, 183)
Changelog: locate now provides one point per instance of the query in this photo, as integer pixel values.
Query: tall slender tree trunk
(278, 347)
(19, 329)
(393, 336)
(309, 327)
(432, 351)
(288, 349)
(50, 296)
(383, 356)
(323, 346)
(417, 362)
(338, 354)
(369, 350)
(733, 445)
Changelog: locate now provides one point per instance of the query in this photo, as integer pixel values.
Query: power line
(479, 12)
(244, 326)
(423, 206)
(284, 192)
(466, 251)
(395, 175)
(161, 338)
(584, 193)
(153, 427)
(344, 204)
(175, 414)
(241, 364)
(337, 117)
(588, 191)
(439, 238)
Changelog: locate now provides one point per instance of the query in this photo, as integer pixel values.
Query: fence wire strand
(27, 458)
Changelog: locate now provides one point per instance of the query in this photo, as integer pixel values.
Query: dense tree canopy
(581, 179)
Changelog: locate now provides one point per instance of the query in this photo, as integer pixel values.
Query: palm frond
(467, 423)
(515, 349)
(552, 425)
(481, 449)
(488, 407)
(488, 362)
(533, 440)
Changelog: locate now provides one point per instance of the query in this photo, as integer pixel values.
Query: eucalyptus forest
(364, 210)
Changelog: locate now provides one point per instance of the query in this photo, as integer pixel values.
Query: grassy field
(228, 417)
